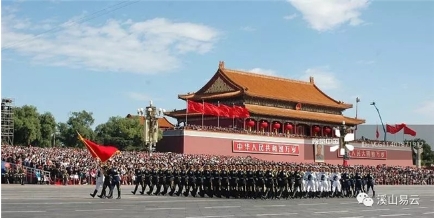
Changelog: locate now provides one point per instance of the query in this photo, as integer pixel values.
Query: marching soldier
(139, 179)
(298, 185)
(250, 183)
(233, 180)
(191, 184)
(198, 173)
(358, 183)
(370, 182)
(147, 179)
(282, 182)
(99, 180)
(268, 183)
(168, 180)
(207, 181)
(224, 185)
(106, 183)
(161, 179)
(260, 182)
(242, 181)
(183, 180)
(216, 181)
(155, 177)
(175, 180)
(116, 182)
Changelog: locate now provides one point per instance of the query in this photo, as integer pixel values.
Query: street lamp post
(381, 120)
(344, 137)
(151, 125)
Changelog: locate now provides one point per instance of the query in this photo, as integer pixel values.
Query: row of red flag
(219, 110)
(397, 128)
(101, 152)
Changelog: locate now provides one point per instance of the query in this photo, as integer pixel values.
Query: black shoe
(119, 197)
(133, 192)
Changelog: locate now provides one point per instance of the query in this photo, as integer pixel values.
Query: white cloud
(365, 62)
(290, 17)
(323, 78)
(323, 15)
(426, 109)
(262, 71)
(145, 47)
(248, 29)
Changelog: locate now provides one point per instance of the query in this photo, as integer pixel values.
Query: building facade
(283, 112)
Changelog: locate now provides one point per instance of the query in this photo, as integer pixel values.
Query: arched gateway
(289, 121)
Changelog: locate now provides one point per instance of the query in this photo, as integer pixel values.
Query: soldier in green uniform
(191, 184)
(175, 180)
(242, 181)
(215, 174)
(250, 181)
(260, 182)
(233, 180)
(154, 179)
(207, 181)
(183, 180)
(198, 173)
(147, 179)
(224, 182)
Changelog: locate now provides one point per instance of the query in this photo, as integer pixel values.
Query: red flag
(377, 133)
(399, 127)
(409, 131)
(210, 109)
(391, 129)
(225, 111)
(194, 107)
(101, 152)
(241, 112)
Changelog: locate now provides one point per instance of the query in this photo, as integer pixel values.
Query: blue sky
(115, 61)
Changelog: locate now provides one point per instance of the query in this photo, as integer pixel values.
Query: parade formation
(239, 181)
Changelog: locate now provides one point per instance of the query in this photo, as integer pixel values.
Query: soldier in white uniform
(336, 186)
(310, 183)
(99, 180)
(322, 187)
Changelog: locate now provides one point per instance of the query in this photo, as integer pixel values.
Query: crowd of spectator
(279, 134)
(81, 167)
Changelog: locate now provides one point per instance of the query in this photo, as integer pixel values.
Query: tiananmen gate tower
(281, 120)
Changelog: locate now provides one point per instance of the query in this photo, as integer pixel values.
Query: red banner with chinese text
(265, 148)
(367, 154)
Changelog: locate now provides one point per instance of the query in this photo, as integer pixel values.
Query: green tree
(48, 128)
(427, 154)
(77, 122)
(27, 126)
(120, 132)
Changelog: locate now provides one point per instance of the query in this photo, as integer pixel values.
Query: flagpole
(218, 116)
(203, 110)
(186, 114)
(233, 117)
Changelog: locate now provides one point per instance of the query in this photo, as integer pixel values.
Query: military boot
(94, 193)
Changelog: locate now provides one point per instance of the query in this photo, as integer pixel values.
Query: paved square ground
(74, 202)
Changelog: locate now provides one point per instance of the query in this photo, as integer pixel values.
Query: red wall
(221, 146)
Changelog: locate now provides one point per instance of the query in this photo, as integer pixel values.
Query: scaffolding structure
(7, 121)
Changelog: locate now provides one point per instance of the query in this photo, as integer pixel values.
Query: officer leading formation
(240, 181)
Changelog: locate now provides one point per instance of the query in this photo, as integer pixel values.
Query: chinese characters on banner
(367, 154)
(265, 148)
